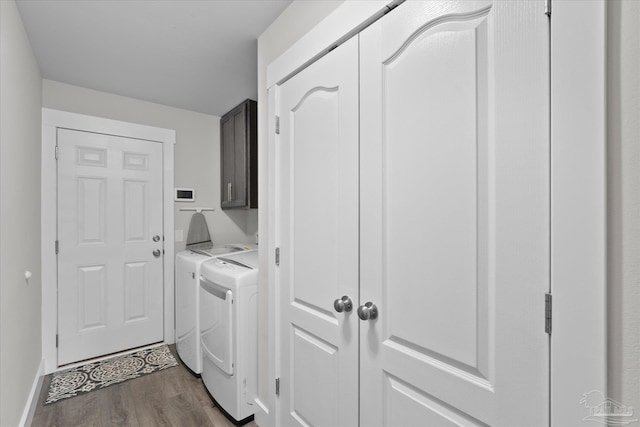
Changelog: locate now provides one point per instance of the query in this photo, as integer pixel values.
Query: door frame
(578, 194)
(51, 121)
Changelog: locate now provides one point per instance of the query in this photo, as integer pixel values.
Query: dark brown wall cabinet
(239, 157)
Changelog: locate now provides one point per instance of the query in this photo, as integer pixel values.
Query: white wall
(291, 25)
(197, 153)
(20, 118)
(623, 121)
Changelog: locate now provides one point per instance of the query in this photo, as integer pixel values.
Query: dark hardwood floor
(173, 397)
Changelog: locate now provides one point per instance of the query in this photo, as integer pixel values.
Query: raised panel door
(454, 229)
(317, 181)
(110, 285)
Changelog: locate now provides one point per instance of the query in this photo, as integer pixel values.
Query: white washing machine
(228, 331)
(187, 275)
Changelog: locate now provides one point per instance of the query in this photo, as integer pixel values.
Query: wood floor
(173, 397)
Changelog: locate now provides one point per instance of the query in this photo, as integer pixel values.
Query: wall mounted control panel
(185, 195)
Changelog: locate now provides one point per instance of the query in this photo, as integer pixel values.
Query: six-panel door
(110, 282)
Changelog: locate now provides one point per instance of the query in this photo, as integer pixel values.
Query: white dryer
(228, 331)
(187, 304)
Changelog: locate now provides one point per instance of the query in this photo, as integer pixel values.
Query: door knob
(343, 304)
(156, 238)
(369, 311)
(156, 253)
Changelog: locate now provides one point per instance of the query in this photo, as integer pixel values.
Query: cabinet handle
(229, 198)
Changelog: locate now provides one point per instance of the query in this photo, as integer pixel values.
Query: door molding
(578, 206)
(578, 188)
(51, 120)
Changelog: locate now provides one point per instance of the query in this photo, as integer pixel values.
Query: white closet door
(110, 284)
(317, 156)
(455, 215)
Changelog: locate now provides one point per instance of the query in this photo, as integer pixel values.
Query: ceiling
(196, 55)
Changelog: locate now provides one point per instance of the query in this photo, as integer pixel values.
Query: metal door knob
(156, 238)
(156, 253)
(343, 304)
(369, 311)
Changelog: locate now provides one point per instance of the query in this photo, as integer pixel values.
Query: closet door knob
(369, 311)
(156, 253)
(343, 304)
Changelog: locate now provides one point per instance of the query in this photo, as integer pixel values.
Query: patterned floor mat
(97, 375)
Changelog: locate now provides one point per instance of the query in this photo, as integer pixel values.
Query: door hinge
(57, 152)
(277, 256)
(57, 247)
(57, 338)
(277, 386)
(547, 7)
(547, 313)
(277, 125)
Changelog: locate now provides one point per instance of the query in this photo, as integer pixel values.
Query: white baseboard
(32, 402)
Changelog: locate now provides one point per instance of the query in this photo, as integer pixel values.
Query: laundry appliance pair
(187, 299)
(216, 318)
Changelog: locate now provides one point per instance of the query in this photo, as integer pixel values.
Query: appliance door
(216, 324)
(187, 321)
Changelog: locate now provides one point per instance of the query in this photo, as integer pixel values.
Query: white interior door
(455, 215)
(317, 156)
(110, 282)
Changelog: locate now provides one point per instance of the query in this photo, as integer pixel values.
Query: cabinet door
(317, 182)
(455, 214)
(234, 157)
(239, 157)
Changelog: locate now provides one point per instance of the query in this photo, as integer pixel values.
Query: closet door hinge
(277, 125)
(57, 152)
(57, 247)
(277, 386)
(547, 313)
(57, 340)
(547, 8)
(277, 256)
